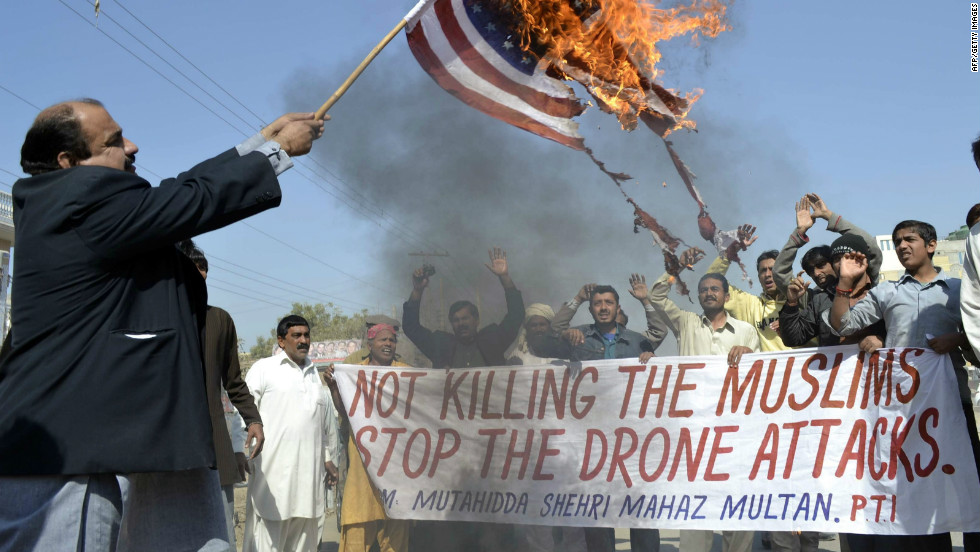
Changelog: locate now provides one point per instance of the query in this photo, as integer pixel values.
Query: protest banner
(829, 439)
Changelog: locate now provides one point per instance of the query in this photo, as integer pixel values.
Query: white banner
(823, 439)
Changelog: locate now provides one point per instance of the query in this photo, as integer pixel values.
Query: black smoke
(466, 181)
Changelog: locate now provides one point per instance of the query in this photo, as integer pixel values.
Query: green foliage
(326, 322)
(263, 346)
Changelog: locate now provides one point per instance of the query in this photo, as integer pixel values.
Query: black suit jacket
(105, 372)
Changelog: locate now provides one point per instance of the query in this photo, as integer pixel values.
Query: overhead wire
(15, 175)
(280, 288)
(151, 67)
(179, 72)
(399, 227)
(363, 199)
(317, 259)
(403, 231)
(287, 307)
(14, 94)
(247, 289)
(192, 64)
(278, 280)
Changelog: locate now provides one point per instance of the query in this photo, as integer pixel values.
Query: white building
(950, 253)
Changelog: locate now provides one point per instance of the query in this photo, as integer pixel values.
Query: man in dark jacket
(466, 347)
(105, 437)
(800, 318)
(603, 339)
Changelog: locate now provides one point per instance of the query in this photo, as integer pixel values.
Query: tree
(326, 322)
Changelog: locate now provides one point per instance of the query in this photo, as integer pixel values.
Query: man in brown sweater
(222, 370)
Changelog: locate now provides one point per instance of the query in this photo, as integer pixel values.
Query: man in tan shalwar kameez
(362, 516)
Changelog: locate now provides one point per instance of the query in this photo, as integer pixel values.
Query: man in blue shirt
(921, 309)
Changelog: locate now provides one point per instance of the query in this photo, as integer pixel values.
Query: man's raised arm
(782, 271)
(656, 326)
(511, 324)
(837, 223)
(672, 315)
(843, 318)
(133, 217)
(421, 336)
(564, 316)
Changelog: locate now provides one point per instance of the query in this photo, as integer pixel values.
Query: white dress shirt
(288, 476)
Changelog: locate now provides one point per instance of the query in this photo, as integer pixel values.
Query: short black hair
(288, 322)
(973, 215)
(603, 289)
(815, 258)
(194, 253)
(715, 276)
(55, 130)
(925, 230)
(458, 305)
(771, 254)
(976, 151)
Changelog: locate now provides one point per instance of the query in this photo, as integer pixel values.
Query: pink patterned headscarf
(374, 330)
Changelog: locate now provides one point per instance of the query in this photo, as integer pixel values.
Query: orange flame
(611, 47)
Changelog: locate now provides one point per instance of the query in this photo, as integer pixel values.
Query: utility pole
(440, 321)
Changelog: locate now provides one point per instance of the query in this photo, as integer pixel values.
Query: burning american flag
(513, 59)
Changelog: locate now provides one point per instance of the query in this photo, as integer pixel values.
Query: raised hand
(804, 218)
(498, 262)
(797, 287)
(690, 257)
(420, 280)
(584, 295)
(820, 209)
(853, 265)
(638, 288)
(275, 127)
(746, 236)
(295, 132)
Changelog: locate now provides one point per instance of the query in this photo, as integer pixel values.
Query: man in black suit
(105, 438)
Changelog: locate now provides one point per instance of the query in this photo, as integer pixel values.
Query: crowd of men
(112, 376)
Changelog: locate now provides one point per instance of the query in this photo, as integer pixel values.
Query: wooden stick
(360, 69)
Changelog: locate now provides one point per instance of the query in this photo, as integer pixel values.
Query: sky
(872, 105)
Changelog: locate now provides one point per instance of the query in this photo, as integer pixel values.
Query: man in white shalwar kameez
(284, 511)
